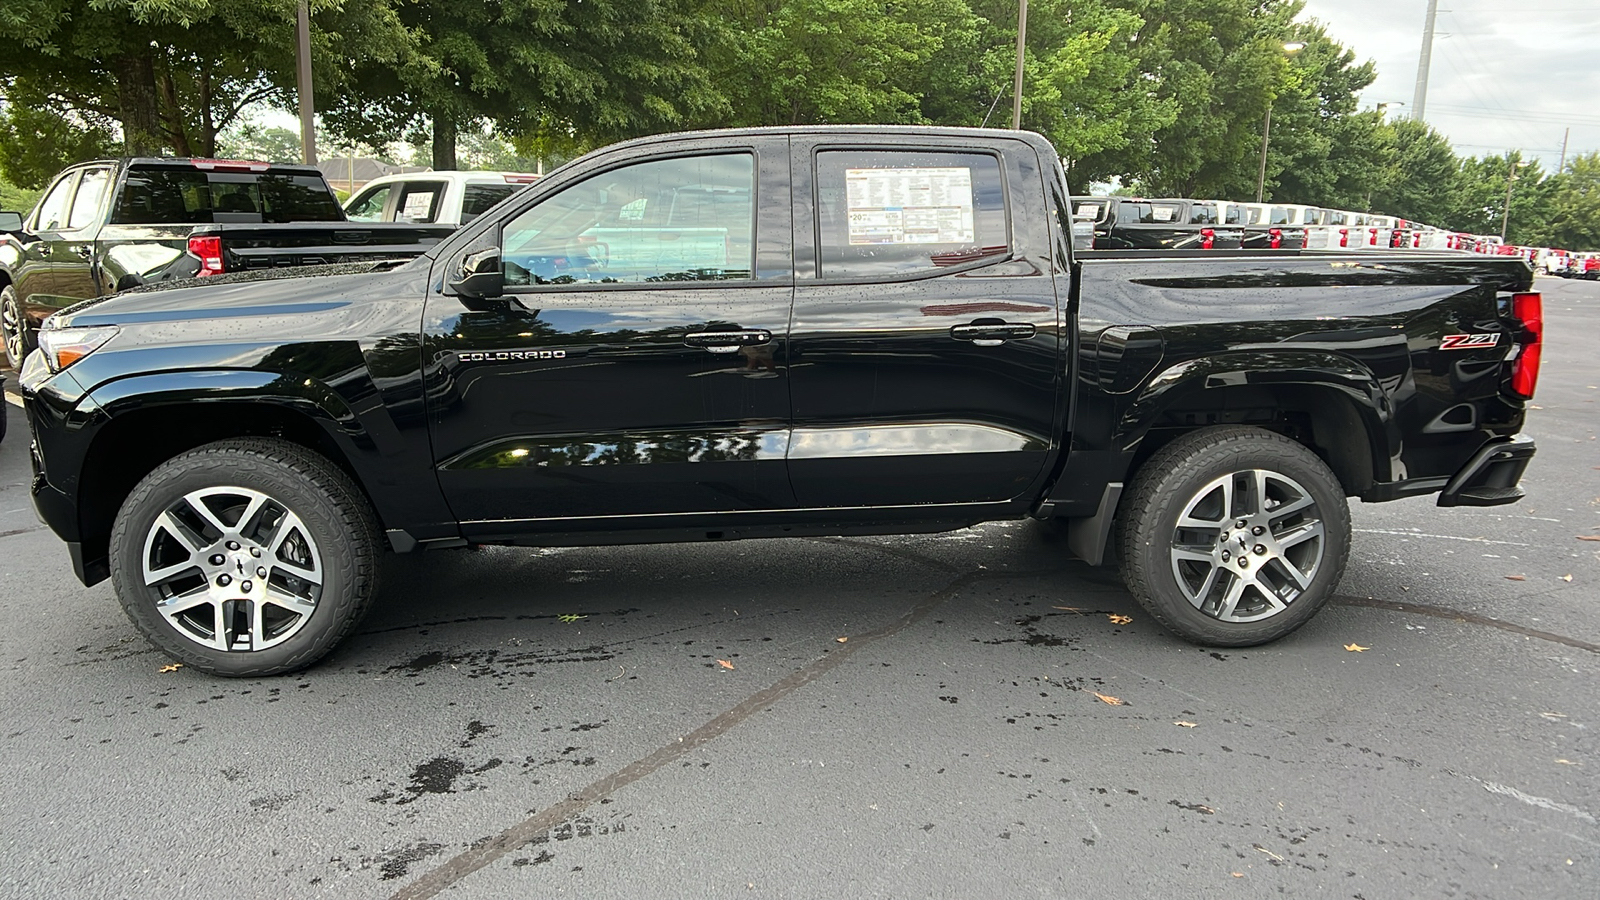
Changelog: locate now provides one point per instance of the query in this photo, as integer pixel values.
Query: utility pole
(1266, 131)
(1564, 138)
(308, 126)
(1016, 87)
(1419, 99)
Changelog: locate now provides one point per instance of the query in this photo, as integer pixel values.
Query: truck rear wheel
(245, 557)
(1234, 536)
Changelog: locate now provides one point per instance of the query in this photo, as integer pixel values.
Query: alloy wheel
(232, 569)
(1247, 545)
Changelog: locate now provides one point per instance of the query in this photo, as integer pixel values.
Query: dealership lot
(915, 716)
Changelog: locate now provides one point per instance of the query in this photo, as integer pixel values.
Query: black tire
(1280, 585)
(13, 328)
(313, 522)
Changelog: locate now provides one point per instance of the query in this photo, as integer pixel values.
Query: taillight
(209, 248)
(1372, 237)
(1529, 310)
(1277, 237)
(1344, 237)
(1208, 238)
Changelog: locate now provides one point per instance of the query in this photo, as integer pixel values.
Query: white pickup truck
(437, 198)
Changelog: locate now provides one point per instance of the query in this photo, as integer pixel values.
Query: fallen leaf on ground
(1566, 762)
(1103, 698)
(1186, 724)
(725, 664)
(841, 639)
(570, 617)
(1237, 874)
(172, 668)
(1589, 537)
(1356, 648)
(1516, 578)
(1119, 620)
(1566, 578)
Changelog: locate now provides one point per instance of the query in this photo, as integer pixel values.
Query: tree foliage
(1166, 97)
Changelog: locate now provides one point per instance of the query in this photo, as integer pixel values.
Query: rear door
(637, 364)
(925, 352)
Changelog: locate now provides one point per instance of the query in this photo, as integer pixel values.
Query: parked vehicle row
(1133, 223)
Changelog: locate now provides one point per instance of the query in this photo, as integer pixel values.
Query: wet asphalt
(900, 717)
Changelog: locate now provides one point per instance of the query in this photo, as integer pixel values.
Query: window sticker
(910, 206)
(1161, 213)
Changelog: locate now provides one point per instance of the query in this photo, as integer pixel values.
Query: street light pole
(1289, 49)
(1266, 132)
(308, 126)
(1016, 87)
(1511, 179)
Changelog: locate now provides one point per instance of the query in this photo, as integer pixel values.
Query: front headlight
(64, 346)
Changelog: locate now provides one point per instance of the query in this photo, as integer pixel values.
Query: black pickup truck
(766, 333)
(109, 225)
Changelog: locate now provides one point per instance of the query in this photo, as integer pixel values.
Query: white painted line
(1442, 537)
(13, 399)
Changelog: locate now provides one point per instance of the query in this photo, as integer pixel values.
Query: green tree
(1574, 205)
(1423, 176)
(587, 72)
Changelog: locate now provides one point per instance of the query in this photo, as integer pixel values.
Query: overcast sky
(1505, 76)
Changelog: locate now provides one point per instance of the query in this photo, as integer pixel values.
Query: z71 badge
(1468, 341)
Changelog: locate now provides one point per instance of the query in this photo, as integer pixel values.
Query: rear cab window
(476, 199)
(904, 213)
(158, 195)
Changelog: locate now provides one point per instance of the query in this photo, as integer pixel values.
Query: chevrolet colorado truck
(767, 333)
(109, 225)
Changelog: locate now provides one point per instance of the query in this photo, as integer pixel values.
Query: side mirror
(11, 221)
(481, 276)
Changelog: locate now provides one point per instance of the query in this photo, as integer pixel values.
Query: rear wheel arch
(1339, 414)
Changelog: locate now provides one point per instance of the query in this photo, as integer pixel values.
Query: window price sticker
(910, 206)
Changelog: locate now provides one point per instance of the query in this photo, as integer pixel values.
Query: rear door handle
(993, 334)
(727, 341)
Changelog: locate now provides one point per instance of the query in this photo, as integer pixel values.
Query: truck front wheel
(1234, 536)
(245, 557)
(13, 327)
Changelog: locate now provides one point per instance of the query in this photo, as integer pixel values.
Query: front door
(637, 365)
(925, 345)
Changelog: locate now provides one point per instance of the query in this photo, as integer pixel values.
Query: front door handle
(727, 341)
(993, 333)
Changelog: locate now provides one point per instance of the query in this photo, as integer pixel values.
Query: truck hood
(265, 292)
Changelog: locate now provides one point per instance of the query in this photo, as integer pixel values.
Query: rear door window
(419, 202)
(86, 203)
(896, 213)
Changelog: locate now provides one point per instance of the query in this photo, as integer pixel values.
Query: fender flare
(1269, 369)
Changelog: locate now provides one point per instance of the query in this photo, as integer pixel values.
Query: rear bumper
(1491, 476)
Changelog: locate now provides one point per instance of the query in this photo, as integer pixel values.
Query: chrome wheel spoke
(1246, 545)
(292, 602)
(249, 582)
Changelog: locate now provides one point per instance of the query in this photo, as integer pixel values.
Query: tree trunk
(444, 142)
(137, 105)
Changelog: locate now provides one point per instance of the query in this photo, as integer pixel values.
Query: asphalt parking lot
(912, 717)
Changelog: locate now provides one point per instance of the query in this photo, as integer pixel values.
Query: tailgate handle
(992, 333)
(727, 341)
